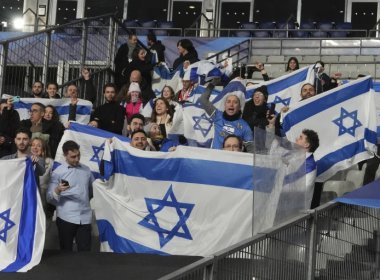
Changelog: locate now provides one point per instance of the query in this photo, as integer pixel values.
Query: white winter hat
(134, 87)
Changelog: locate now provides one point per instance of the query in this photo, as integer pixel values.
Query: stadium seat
(303, 33)
(276, 59)
(323, 30)
(284, 26)
(147, 24)
(356, 177)
(242, 33)
(342, 30)
(340, 187)
(264, 33)
(165, 25)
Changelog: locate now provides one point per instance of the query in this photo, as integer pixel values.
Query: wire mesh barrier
(58, 54)
(336, 241)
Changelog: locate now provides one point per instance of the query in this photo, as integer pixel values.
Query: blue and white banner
(198, 72)
(345, 120)
(62, 106)
(22, 218)
(285, 90)
(91, 141)
(173, 203)
(162, 76)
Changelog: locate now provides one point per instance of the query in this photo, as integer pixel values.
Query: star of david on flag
(172, 203)
(98, 152)
(157, 205)
(203, 127)
(347, 109)
(284, 101)
(8, 224)
(22, 218)
(340, 122)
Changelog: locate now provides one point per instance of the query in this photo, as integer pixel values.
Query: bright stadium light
(18, 23)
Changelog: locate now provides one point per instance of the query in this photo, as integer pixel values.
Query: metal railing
(335, 241)
(57, 54)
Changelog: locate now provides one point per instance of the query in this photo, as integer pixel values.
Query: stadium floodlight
(18, 23)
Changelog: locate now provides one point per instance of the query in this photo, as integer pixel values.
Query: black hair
(297, 63)
(55, 113)
(52, 83)
(69, 146)
(42, 84)
(25, 131)
(137, 131)
(152, 37)
(312, 138)
(137, 116)
(110, 85)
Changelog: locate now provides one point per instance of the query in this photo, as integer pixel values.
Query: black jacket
(190, 56)
(110, 116)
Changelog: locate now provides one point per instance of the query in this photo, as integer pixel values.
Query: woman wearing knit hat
(133, 100)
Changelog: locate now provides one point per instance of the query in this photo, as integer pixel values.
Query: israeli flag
(377, 102)
(162, 76)
(174, 203)
(91, 141)
(345, 120)
(22, 218)
(62, 106)
(285, 90)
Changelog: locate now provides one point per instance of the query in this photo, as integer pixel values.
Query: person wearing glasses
(46, 129)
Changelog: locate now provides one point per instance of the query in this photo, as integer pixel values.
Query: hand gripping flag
(188, 202)
(345, 120)
(22, 219)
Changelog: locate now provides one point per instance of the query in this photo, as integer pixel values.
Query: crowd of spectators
(124, 101)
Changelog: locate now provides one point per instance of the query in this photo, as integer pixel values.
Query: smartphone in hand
(64, 182)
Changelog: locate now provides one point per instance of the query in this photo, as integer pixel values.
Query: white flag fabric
(173, 203)
(198, 126)
(22, 218)
(285, 90)
(91, 141)
(62, 106)
(345, 120)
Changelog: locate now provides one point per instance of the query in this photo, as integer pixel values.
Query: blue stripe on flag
(324, 103)
(281, 85)
(62, 110)
(344, 153)
(208, 172)
(80, 110)
(120, 244)
(25, 244)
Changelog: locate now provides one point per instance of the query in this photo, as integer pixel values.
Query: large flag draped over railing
(22, 219)
(62, 106)
(91, 141)
(345, 120)
(173, 203)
